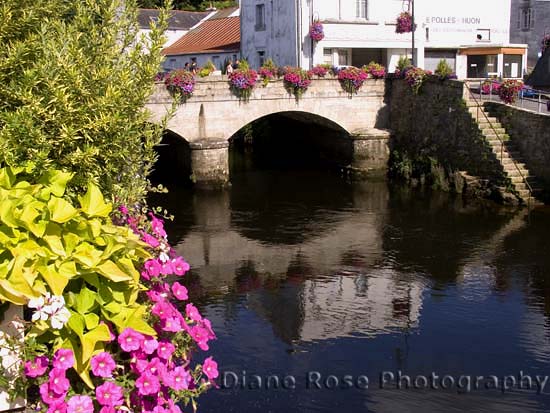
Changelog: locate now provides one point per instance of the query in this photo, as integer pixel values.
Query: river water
(323, 285)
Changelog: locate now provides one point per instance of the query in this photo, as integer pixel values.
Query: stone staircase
(507, 154)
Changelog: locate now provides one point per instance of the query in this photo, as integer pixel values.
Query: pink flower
(147, 384)
(107, 409)
(171, 324)
(208, 326)
(80, 404)
(149, 345)
(109, 394)
(180, 266)
(157, 226)
(163, 310)
(130, 339)
(210, 368)
(159, 409)
(165, 349)
(200, 335)
(178, 379)
(37, 367)
(48, 396)
(166, 268)
(58, 382)
(103, 365)
(152, 267)
(63, 359)
(179, 291)
(149, 239)
(173, 407)
(192, 312)
(58, 406)
(156, 367)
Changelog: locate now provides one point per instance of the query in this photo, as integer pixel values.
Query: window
(483, 35)
(513, 65)
(260, 17)
(343, 57)
(526, 18)
(327, 56)
(361, 9)
(261, 58)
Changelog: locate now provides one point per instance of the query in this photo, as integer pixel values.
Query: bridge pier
(370, 152)
(210, 163)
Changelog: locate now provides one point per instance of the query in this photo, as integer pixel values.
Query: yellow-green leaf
(93, 204)
(60, 210)
(114, 273)
(55, 279)
(56, 181)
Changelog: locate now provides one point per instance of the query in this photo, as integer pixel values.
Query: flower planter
(10, 327)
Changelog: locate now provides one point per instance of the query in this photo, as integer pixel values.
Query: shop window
(513, 65)
(260, 17)
(481, 66)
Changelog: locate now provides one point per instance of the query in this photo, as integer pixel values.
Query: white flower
(164, 257)
(36, 302)
(56, 303)
(40, 314)
(60, 318)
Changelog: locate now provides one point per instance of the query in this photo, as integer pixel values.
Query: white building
(472, 35)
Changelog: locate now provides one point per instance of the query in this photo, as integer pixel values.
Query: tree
(192, 5)
(74, 78)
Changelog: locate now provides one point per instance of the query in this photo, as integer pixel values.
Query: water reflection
(302, 271)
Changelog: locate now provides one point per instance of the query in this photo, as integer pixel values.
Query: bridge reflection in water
(302, 271)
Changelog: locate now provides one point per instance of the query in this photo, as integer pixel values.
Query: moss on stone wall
(434, 137)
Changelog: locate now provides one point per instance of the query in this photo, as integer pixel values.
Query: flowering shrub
(509, 89)
(545, 43)
(102, 337)
(443, 71)
(375, 70)
(242, 81)
(403, 64)
(296, 80)
(181, 82)
(490, 87)
(316, 31)
(268, 71)
(320, 70)
(351, 79)
(415, 77)
(404, 23)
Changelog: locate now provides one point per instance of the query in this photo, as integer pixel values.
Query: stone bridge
(208, 119)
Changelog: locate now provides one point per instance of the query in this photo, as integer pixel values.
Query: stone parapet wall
(530, 133)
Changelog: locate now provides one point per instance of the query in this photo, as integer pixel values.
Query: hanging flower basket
(404, 23)
(351, 79)
(180, 82)
(316, 31)
(509, 89)
(415, 78)
(242, 82)
(545, 42)
(296, 80)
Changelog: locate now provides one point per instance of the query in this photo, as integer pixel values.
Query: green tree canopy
(74, 78)
(192, 5)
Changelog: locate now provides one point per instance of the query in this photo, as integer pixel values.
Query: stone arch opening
(290, 140)
(173, 166)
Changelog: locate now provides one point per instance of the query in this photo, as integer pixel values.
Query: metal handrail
(478, 106)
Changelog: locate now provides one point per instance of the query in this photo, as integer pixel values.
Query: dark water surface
(301, 272)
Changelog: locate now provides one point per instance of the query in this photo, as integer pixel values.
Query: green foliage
(74, 77)
(50, 245)
(193, 5)
(243, 65)
(403, 63)
(443, 70)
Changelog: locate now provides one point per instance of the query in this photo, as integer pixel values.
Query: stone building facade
(529, 22)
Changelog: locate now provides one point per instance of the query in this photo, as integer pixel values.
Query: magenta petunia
(80, 404)
(58, 382)
(149, 239)
(179, 291)
(63, 359)
(130, 339)
(192, 312)
(147, 384)
(152, 267)
(178, 379)
(48, 396)
(163, 310)
(103, 365)
(157, 226)
(149, 345)
(171, 324)
(109, 394)
(200, 335)
(59, 406)
(107, 409)
(210, 368)
(180, 266)
(37, 367)
(167, 268)
(156, 367)
(165, 349)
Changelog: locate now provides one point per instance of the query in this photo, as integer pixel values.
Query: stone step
(487, 120)
(517, 179)
(511, 170)
(494, 139)
(492, 131)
